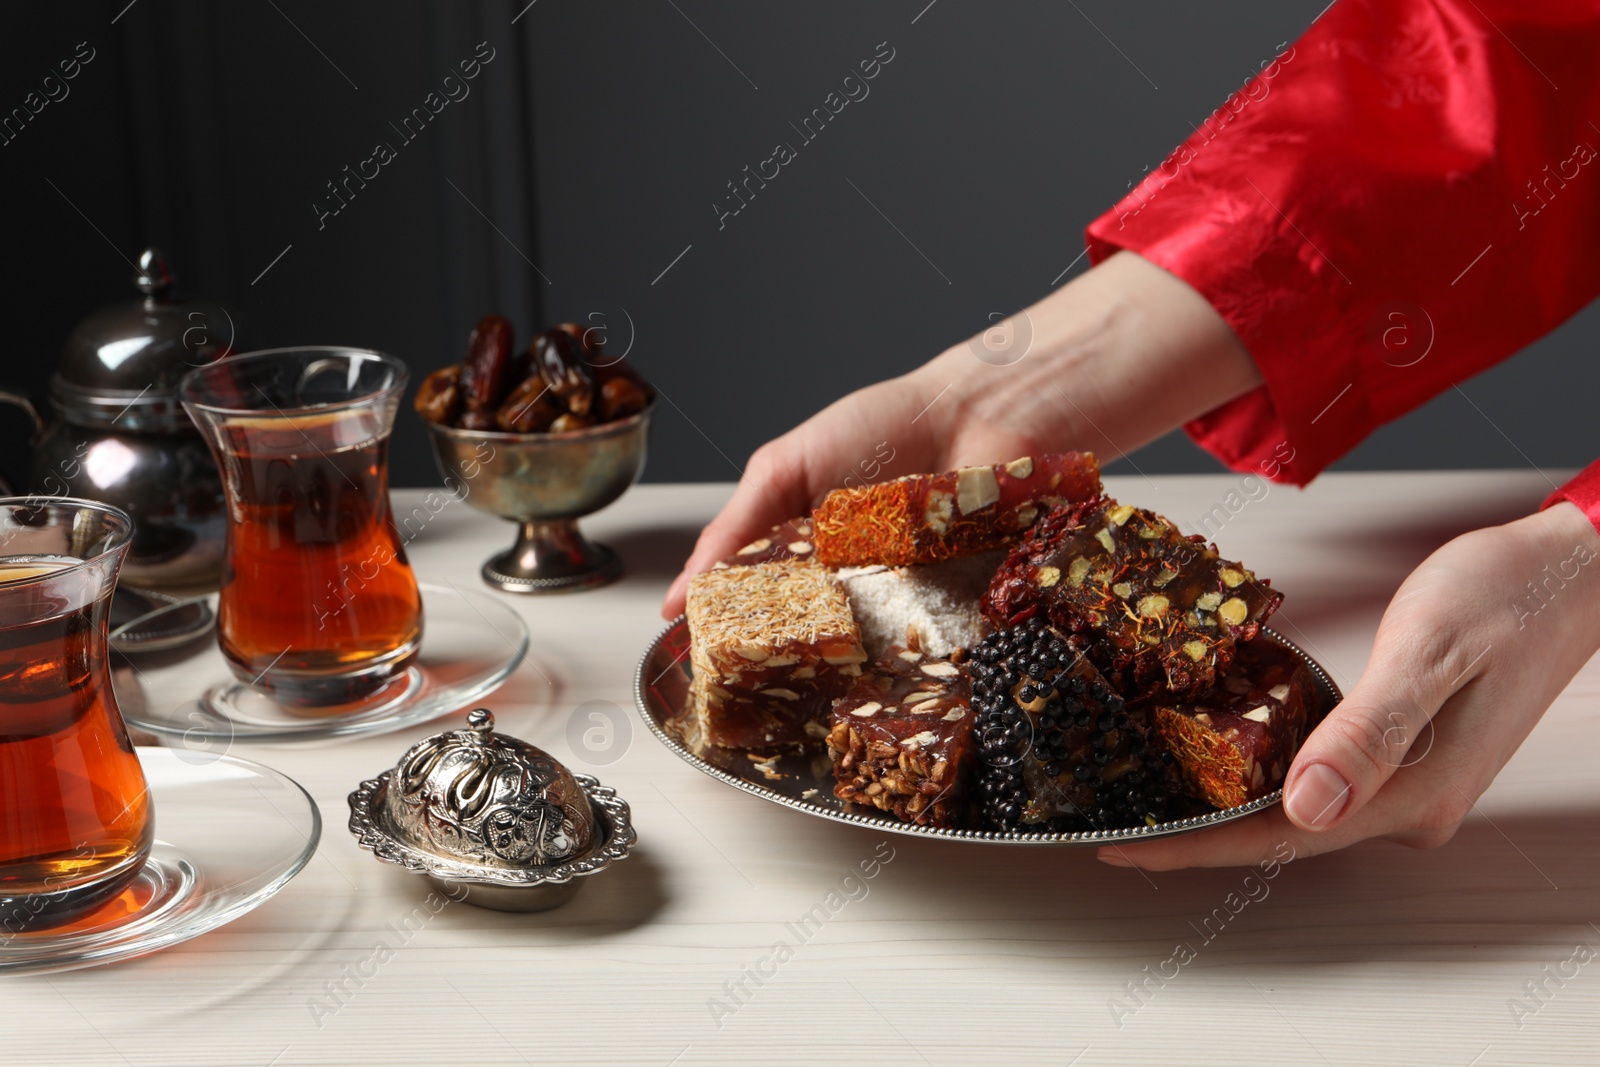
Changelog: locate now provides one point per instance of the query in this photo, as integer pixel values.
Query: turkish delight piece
(787, 540)
(1154, 609)
(933, 607)
(902, 739)
(1059, 749)
(923, 518)
(1234, 744)
(772, 645)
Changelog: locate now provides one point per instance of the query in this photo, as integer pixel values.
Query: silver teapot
(120, 435)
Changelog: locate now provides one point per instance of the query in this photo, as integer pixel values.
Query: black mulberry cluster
(1059, 749)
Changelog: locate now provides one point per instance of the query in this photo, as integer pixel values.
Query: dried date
(483, 382)
(557, 355)
(621, 397)
(529, 408)
(439, 396)
(560, 383)
(586, 341)
(569, 421)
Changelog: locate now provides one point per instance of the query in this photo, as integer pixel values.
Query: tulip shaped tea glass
(75, 818)
(319, 608)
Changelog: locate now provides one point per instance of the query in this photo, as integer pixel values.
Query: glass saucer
(143, 620)
(471, 642)
(229, 834)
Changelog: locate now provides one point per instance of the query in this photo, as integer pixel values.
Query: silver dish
(536, 889)
(545, 483)
(661, 687)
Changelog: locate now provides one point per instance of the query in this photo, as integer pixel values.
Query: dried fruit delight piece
(1154, 609)
(1234, 744)
(1058, 748)
(902, 739)
(923, 518)
(787, 540)
(772, 645)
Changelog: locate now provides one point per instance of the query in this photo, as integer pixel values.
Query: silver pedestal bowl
(545, 482)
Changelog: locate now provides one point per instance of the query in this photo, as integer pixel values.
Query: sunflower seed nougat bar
(934, 604)
(772, 645)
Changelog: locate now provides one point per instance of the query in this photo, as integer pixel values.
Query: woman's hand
(1078, 370)
(879, 432)
(1474, 647)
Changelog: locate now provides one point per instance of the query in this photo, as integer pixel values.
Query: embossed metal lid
(498, 815)
(120, 366)
(480, 796)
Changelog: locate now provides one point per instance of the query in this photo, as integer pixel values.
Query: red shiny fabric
(1408, 195)
(1583, 490)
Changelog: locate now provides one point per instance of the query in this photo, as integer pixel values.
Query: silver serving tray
(661, 687)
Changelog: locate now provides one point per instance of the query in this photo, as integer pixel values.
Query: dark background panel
(579, 179)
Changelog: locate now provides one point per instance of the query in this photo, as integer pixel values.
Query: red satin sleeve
(1583, 490)
(1406, 196)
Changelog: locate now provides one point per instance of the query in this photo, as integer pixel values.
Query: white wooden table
(951, 954)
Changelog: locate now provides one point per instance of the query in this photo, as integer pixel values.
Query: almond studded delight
(1235, 744)
(902, 739)
(787, 540)
(923, 518)
(1155, 610)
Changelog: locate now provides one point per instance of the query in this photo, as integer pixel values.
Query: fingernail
(1317, 796)
(1112, 859)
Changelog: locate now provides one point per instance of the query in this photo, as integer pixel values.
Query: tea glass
(75, 817)
(318, 606)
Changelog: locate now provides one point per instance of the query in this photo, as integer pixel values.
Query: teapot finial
(154, 277)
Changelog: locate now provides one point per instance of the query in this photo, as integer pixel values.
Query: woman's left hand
(1477, 643)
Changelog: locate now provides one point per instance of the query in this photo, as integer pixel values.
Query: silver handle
(18, 400)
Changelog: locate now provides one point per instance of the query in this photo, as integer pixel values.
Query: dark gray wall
(588, 157)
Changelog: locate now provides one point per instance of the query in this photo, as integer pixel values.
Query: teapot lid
(120, 367)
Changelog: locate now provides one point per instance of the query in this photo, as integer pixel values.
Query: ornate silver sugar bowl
(491, 817)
